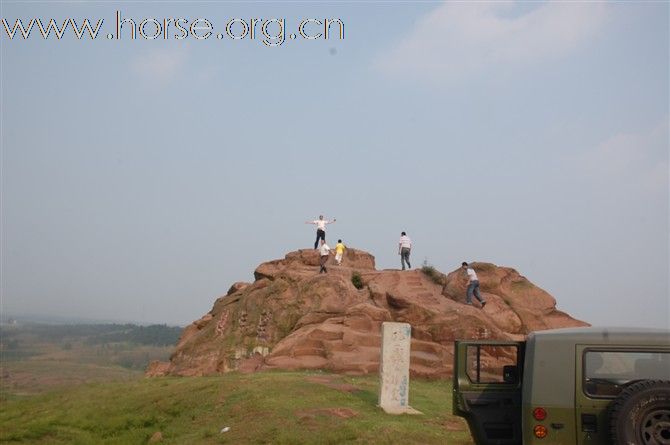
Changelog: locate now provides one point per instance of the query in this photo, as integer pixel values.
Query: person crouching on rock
(473, 285)
(339, 251)
(324, 251)
(320, 228)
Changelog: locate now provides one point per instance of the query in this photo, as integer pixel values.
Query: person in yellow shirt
(339, 251)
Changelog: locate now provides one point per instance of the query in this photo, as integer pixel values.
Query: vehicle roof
(605, 335)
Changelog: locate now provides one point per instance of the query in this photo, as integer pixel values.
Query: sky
(141, 178)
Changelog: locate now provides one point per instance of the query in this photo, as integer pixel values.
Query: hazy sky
(141, 178)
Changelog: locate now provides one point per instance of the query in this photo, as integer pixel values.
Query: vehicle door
(487, 389)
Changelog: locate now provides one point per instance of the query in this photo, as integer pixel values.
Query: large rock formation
(291, 317)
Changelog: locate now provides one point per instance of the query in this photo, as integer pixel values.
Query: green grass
(270, 407)
(521, 285)
(357, 279)
(30, 377)
(40, 358)
(434, 274)
(63, 390)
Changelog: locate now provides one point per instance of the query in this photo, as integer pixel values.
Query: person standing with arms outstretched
(404, 248)
(320, 229)
(473, 285)
(324, 253)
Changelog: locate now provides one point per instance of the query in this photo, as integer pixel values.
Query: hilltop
(291, 317)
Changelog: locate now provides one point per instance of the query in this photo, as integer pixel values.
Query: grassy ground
(39, 358)
(272, 407)
(46, 366)
(30, 377)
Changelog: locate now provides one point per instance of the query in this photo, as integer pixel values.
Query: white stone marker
(394, 369)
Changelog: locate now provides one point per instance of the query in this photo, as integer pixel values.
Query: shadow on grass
(369, 397)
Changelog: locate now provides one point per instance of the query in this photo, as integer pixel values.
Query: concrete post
(394, 368)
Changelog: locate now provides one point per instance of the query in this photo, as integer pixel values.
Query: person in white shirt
(473, 284)
(404, 248)
(324, 252)
(320, 228)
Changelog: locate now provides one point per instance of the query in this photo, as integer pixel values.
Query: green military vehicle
(581, 386)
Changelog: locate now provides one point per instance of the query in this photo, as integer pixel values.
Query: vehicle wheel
(641, 414)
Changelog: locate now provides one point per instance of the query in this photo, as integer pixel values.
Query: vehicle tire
(640, 415)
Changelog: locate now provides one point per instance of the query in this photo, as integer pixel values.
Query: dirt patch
(251, 364)
(319, 379)
(454, 425)
(332, 382)
(342, 413)
(450, 424)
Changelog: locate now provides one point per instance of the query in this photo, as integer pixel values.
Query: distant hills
(29, 318)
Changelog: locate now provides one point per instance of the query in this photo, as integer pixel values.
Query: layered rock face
(291, 317)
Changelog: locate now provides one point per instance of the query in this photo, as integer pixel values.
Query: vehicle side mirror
(510, 374)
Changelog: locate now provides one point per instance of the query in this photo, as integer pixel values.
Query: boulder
(292, 317)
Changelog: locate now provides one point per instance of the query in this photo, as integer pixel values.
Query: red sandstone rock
(236, 287)
(293, 318)
(157, 369)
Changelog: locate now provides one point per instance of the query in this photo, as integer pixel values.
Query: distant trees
(95, 334)
(153, 335)
(127, 345)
